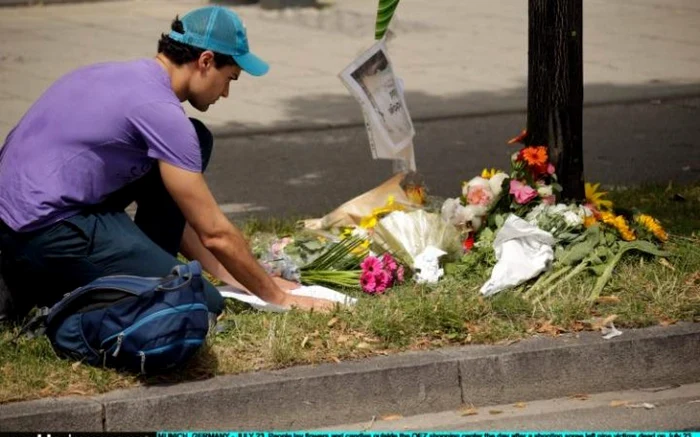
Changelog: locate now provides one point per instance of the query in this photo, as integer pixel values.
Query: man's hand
(284, 284)
(309, 303)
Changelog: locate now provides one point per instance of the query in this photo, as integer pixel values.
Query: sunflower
(589, 221)
(618, 222)
(595, 197)
(653, 226)
(535, 156)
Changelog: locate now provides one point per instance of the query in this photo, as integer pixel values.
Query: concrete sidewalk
(456, 57)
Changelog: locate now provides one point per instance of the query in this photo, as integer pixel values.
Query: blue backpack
(146, 325)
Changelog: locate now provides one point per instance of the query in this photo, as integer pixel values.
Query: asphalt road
(309, 173)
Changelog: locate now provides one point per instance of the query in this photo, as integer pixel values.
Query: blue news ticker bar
(435, 434)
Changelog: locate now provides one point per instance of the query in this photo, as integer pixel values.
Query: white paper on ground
(610, 331)
(315, 291)
(523, 251)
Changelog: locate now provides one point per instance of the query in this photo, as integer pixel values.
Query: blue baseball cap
(220, 30)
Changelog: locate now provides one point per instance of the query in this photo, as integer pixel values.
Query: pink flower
(399, 274)
(479, 195)
(368, 282)
(389, 262)
(523, 193)
(383, 280)
(549, 200)
(550, 169)
(372, 265)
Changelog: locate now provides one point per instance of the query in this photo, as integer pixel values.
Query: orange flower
(535, 156)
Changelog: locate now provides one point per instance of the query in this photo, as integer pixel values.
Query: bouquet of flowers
(592, 236)
(380, 273)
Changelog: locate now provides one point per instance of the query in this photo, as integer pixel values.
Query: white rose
(475, 182)
(572, 219)
(545, 190)
(496, 183)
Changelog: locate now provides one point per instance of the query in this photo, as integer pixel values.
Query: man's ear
(206, 60)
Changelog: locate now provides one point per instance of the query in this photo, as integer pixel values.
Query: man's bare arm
(220, 237)
(192, 248)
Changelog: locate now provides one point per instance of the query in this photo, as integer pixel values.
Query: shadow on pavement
(310, 172)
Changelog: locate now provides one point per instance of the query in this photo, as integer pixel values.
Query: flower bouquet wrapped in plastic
(408, 236)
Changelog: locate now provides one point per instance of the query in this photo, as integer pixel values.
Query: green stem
(605, 277)
(579, 268)
(546, 279)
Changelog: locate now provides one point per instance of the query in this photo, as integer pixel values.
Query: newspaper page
(370, 79)
(404, 159)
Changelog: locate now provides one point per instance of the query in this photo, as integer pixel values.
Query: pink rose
(523, 193)
(550, 169)
(549, 200)
(479, 195)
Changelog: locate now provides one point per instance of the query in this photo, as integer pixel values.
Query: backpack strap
(182, 275)
(34, 327)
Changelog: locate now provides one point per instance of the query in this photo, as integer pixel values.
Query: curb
(409, 383)
(223, 132)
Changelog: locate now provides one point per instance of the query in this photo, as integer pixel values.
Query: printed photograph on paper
(370, 78)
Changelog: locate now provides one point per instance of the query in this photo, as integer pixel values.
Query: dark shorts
(40, 266)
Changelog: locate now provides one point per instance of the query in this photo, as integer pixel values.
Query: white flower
(533, 216)
(449, 210)
(478, 181)
(572, 219)
(544, 190)
(496, 183)
(558, 209)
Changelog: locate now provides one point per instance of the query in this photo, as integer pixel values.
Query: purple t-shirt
(91, 133)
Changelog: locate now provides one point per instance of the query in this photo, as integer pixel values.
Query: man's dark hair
(180, 53)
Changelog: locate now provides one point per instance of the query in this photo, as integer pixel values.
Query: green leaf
(598, 270)
(450, 269)
(642, 246)
(499, 220)
(574, 253)
(313, 245)
(385, 11)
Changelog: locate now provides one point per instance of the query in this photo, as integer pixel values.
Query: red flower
(468, 242)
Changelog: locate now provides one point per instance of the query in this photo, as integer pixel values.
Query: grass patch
(644, 291)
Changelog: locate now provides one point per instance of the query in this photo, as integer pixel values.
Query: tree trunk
(555, 88)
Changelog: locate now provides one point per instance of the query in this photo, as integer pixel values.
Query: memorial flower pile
(498, 216)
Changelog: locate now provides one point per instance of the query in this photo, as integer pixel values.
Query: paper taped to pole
(370, 79)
